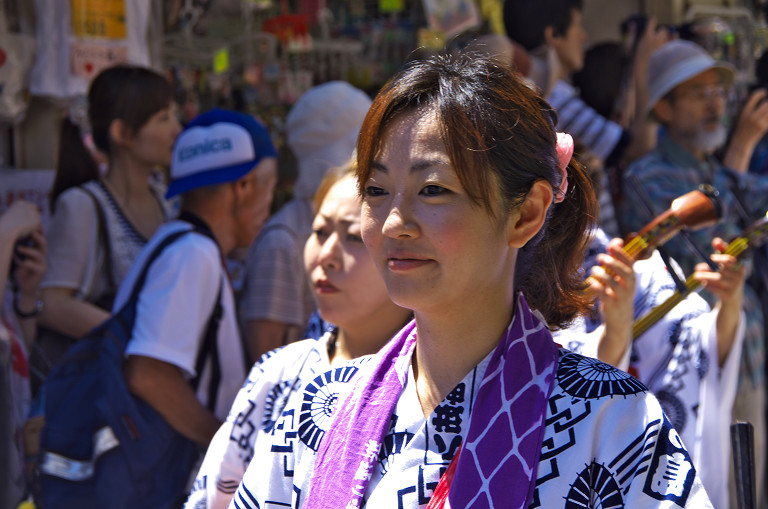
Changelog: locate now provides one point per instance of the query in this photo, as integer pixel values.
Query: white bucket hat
(678, 61)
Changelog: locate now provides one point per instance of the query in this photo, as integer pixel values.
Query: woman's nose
(399, 224)
(329, 251)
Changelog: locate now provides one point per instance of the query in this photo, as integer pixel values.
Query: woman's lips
(325, 287)
(406, 263)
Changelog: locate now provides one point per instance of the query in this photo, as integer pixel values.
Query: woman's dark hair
(500, 136)
(126, 92)
(600, 80)
(525, 20)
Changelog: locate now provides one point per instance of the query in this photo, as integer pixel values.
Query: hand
(727, 283)
(650, 40)
(613, 282)
(751, 126)
(20, 220)
(31, 264)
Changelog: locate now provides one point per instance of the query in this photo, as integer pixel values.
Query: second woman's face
(345, 284)
(153, 143)
(435, 248)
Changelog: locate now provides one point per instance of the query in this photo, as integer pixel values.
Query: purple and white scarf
(498, 462)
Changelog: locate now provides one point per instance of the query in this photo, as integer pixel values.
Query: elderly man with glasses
(688, 93)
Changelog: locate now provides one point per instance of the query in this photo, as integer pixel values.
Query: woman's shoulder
(77, 197)
(298, 358)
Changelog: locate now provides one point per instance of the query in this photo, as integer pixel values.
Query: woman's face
(153, 143)
(433, 246)
(345, 284)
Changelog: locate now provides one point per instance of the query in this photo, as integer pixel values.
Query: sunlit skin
(433, 245)
(440, 254)
(153, 143)
(569, 46)
(696, 106)
(251, 211)
(346, 286)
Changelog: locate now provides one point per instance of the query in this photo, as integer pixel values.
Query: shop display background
(258, 56)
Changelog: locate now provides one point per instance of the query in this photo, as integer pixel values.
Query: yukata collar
(499, 459)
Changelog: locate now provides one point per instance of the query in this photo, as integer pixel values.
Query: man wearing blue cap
(224, 169)
(688, 90)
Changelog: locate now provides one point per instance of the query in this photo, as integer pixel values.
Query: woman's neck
(128, 183)
(128, 180)
(450, 346)
(366, 338)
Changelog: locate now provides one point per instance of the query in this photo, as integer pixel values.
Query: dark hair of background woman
(126, 92)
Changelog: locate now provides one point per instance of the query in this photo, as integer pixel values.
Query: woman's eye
(433, 190)
(354, 237)
(319, 233)
(372, 191)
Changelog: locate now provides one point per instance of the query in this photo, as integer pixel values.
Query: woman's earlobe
(531, 214)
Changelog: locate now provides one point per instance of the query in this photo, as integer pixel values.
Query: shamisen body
(475, 214)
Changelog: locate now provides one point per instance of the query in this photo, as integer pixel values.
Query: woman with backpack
(101, 221)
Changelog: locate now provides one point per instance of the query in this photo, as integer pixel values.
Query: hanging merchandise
(390, 5)
(16, 54)
(451, 16)
(79, 38)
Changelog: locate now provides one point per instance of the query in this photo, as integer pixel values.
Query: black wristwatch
(31, 314)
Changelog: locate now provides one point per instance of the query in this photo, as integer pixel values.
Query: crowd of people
(446, 312)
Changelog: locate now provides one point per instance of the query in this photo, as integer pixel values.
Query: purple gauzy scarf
(498, 463)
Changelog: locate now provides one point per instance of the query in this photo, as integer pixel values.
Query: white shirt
(174, 308)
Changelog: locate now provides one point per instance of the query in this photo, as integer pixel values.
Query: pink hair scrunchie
(564, 154)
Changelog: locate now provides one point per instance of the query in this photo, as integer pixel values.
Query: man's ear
(549, 35)
(241, 186)
(529, 217)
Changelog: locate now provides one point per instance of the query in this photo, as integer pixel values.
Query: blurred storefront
(258, 56)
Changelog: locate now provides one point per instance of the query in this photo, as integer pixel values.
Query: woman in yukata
(270, 411)
(475, 214)
(689, 358)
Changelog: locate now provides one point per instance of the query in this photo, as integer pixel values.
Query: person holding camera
(22, 265)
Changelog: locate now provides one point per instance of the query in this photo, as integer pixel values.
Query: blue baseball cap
(216, 147)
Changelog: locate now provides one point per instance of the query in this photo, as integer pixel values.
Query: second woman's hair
(126, 92)
(500, 136)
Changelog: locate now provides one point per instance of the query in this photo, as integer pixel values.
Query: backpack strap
(104, 241)
(128, 310)
(209, 348)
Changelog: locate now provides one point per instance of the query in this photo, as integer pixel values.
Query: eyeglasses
(704, 93)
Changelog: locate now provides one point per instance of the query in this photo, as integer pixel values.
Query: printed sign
(87, 60)
(30, 185)
(98, 18)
